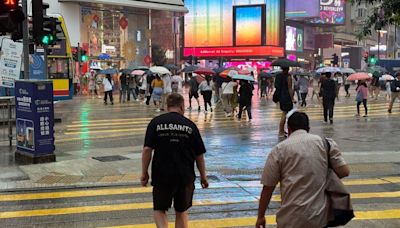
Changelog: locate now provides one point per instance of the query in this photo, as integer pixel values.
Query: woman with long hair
(205, 89)
(158, 87)
(362, 96)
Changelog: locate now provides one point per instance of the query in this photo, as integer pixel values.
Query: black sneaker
(199, 109)
(331, 121)
(389, 111)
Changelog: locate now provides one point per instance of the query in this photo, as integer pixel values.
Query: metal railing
(7, 119)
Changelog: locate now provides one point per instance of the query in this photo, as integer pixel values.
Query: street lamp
(380, 32)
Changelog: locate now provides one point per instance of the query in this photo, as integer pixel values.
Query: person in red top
(362, 96)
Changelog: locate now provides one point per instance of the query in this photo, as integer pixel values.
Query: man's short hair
(328, 74)
(299, 121)
(175, 100)
(397, 73)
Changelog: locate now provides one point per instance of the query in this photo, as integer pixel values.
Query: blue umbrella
(108, 71)
(243, 77)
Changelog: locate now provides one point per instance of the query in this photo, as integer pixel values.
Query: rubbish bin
(34, 121)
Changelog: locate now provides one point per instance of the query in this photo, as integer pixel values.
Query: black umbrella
(125, 71)
(171, 67)
(266, 75)
(219, 69)
(285, 63)
(190, 69)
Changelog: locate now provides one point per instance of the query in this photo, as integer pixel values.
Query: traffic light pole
(25, 39)
(46, 65)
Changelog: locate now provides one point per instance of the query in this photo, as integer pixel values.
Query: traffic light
(83, 56)
(11, 18)
(44, 27)
(373, 60)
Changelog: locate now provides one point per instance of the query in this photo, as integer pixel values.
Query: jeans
(226, 102)
(328, 104)
(303, 99)
(207, 95)
(248, 109)
(133, 92)
(110, 95)
(365, 106)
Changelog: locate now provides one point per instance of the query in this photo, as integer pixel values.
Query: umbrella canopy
(138, 72)
(125, 71)
(285, 63)
(251, 69)
(380, 69)
(199, 78)
(226, 73)
(159, 70)
(243, 77)
(386, 77)
(171, 67)
(204, 70)
(141, 68)
(359, 76)
(108, 71)
(328, 69)
(347, 70)
(275, 71)
(190, 69)
(219, 69)
(233, 68)
(245, 72)
(266, 75)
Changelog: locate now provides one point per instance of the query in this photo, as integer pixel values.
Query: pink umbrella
(138, 72)
(203, 70)
(359, 76)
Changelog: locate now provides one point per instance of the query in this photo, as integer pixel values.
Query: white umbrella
(160, 70)
(347, 70)
(386, 77)
(328, 69)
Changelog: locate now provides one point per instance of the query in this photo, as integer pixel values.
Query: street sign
(10, 62)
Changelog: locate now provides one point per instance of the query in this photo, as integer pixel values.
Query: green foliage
(158, 55)
(385, 12)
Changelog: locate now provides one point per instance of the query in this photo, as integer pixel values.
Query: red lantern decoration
(123, 22)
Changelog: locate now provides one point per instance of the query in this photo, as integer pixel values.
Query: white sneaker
(229, 115)
(158, 110)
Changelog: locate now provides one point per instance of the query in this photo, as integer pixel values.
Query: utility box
(34, 121)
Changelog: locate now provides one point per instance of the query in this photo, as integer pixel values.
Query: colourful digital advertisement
(291, 44)
(305, 9)
(210, 24)
(248, 26)
(332, 12)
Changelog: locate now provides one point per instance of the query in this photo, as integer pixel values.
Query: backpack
(394, 85)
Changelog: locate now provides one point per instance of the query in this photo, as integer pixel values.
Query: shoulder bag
(340, 210)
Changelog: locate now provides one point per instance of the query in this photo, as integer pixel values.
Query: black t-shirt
(177, 142)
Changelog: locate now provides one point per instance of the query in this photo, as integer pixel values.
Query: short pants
(181, 194)
(193, 94)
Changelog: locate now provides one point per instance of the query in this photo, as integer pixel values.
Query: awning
(167, 5)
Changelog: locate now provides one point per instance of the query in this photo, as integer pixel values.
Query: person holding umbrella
(205, 89)
(284, 94)
(362, 96)
(108, 84)
(328, 92)
(158, 87)
(245, 95)
(193, 92)
(263, 84)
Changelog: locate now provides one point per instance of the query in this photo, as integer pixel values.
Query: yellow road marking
(271, 219)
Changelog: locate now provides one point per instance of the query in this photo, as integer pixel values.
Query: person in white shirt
(108, 88)
(176, 83)
(167, 90)
(205, 89)
(227, 94)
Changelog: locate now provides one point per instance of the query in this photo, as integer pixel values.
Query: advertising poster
(34, 116)
(307, 9)
(299, 40)
(36, 66)
(10, 62)
(309, 38)
(209, 27)
(291, 42)
(332, 12)
(248, 26)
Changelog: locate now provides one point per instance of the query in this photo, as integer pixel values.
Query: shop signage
(34, 116)
(307, 9)
(10, 62)
(235, 51)
(332, 12)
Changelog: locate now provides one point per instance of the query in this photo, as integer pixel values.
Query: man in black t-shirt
(177, 144)
(328, 92)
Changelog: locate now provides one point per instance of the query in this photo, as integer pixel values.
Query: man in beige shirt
(300, 165)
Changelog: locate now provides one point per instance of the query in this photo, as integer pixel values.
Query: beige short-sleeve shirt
(300, 165)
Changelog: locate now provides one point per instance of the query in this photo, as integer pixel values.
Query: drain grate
(111, 158)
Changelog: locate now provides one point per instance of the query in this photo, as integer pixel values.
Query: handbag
(340, 210)
(359, 96)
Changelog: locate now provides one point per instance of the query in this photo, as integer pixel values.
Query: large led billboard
(302, 9)
(331, 12)
(232, 28)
